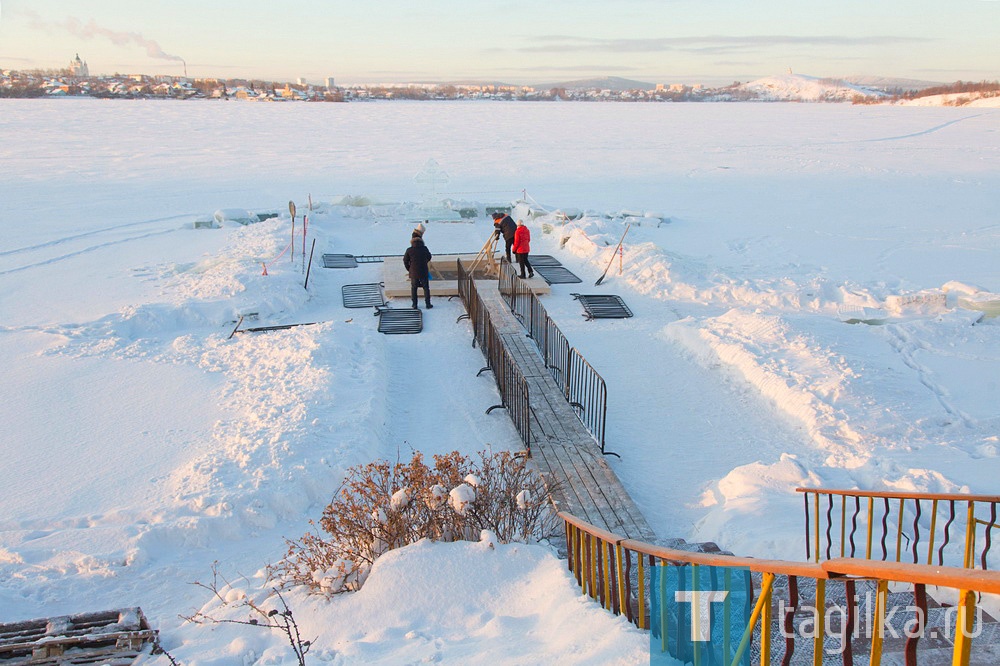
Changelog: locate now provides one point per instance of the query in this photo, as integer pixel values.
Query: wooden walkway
(561, 447)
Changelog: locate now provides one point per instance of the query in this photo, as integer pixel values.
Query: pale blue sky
(517, 41)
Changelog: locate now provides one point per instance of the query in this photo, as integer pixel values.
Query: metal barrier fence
(587, 392)
(511, 384)
(789, 606)
(899, 526)
(581, 385)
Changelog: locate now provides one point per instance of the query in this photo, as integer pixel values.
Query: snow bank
(448, 603)
(973, 99)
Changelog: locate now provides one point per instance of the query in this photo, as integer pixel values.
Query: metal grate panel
(603, 306)
(362, 295)
(555, 274)
(543, 260)
(339, 261)
(398, 322)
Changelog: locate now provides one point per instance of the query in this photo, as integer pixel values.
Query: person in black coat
(504, 226)
(417, 259)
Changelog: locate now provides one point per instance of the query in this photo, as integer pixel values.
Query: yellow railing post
(970, 536)
(930, 546)
(871, 517)
(964, 625)
(765, 630)
(878, 622)
(816, 528)
(843, 523)
(820, 622)
(663, 606)
(622, 601)
(899, 531)
(642, 590)
(766, 582)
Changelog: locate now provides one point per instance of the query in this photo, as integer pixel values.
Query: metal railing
(511, 384)
(581, 384)
(627, 577)
(587, 392)
(952, 529)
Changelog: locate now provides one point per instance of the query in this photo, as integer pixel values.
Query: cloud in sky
(91, 30)
(709, 44)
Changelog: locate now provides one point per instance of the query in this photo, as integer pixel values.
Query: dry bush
(382, 506)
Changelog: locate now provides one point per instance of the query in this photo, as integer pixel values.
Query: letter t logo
(701, 617)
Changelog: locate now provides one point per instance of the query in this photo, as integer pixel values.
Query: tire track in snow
(66, 239)
(88, 250)
(936, 128)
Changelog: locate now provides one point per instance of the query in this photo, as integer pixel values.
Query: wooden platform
(109, 638)
(561, 447)
(444, 277)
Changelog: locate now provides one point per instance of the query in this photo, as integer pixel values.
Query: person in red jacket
(521, 247)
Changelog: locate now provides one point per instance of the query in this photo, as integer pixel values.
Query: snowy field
(141, 444)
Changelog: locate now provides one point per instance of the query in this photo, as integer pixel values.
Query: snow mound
(750, 493)
(446, 603)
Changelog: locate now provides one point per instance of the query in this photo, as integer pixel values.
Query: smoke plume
(91, 30)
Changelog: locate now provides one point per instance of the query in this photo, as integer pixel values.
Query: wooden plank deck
(561, 447)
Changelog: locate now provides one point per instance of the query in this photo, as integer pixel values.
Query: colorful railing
(952, 529)
(621, 575)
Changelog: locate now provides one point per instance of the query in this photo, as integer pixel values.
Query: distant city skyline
(658, 41)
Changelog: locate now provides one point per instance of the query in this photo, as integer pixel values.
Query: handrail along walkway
(616, 572)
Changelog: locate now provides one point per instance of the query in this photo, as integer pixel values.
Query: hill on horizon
(613, 83)
(779, 86)
(793, 87)
(889, 82)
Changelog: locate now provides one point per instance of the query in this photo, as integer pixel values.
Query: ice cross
(432, 176)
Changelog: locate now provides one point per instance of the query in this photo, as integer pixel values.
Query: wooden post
(291, 210)
(309, 267)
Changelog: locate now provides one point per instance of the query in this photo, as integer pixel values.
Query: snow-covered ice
(141, 443)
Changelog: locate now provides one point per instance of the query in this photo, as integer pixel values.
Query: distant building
(242, 92)
(78, 68)
(330, 83)
(301, 81)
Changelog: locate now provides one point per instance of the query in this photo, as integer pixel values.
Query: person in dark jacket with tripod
(417, 259)
(504, 226)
